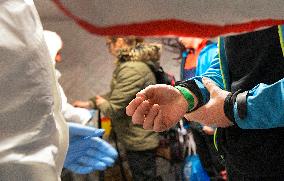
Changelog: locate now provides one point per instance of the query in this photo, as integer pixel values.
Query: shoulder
(136, 66)
(136, 70)
(209, 50)
(210, 47)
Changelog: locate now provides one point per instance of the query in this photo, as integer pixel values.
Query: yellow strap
(280, 32)
(221, 65)
(215, 142)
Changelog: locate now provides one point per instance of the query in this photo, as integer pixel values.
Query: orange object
(106, 125)
(192, 58)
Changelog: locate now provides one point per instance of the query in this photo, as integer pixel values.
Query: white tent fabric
(167, 17)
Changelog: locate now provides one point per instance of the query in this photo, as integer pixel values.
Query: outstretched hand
(87, 152)
(82, 104)
(157, 107)
(100, 100)
(212, 113)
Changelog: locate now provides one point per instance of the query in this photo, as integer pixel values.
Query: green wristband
(188, 97)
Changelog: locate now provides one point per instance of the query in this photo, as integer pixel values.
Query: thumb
(76, 129)
(210, 85)
(195, 115)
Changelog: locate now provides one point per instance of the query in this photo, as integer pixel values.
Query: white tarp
(173, 17)
(33, 137)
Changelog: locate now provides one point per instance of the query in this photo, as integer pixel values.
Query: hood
(141, 52)
(53, 42)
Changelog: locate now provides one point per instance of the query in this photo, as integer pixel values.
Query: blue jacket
(253, 149)
(265, 103)
(205, 57)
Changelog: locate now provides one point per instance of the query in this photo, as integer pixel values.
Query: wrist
(91, 105)
(188, 96)
(229, 105)
(194, 89)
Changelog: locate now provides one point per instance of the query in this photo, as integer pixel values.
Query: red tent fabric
(173, 18)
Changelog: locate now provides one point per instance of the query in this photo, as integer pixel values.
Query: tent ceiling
(48, 11)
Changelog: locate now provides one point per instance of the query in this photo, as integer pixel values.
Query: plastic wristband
(188, 97)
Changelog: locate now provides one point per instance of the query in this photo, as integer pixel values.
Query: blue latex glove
(87, 152)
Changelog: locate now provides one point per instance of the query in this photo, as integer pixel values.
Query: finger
(75, 104)
(79, 169)
(96, 165)
(140, 113)
(141, 94)
(149, 120)
(78, 103)
(210, 85)
(159, 125)
(93, 161)
(198, 115)
(95, 154)
(148, 92)
(103, 146)
(192, 116)
(81, 130)
(132, 106)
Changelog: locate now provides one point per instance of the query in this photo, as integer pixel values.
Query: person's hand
(157, 107)
(208, 130)
(100, 100)
(212, 113)
(87, 152)
(83, 104)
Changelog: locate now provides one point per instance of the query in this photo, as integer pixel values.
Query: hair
(129, 40)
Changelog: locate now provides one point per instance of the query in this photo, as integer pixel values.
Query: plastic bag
(193, 170)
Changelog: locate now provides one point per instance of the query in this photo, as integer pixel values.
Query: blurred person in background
(132, 74)
(87, 152)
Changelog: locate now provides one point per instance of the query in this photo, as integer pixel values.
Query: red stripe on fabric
(168, 27)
